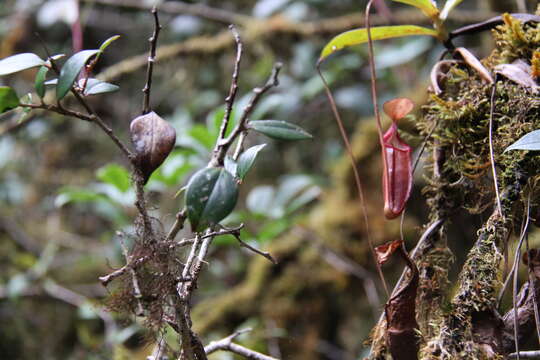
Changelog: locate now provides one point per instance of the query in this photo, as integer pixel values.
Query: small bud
(153, 139)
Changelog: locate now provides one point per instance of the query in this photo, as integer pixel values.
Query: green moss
(460, 119)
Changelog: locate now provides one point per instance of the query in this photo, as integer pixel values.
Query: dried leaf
(384, 251)
(519, 72)
(438, 72)
(400, 310)
(473, 62)
(153, 139)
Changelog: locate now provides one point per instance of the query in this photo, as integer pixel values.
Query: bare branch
(239, 145)
(178, 224)
(223, 145)
(210, 348)
(229, 101)
(151, 59)
(249, 247)
(134, 281)
(227, 345)
(525, 355)
(105, 280)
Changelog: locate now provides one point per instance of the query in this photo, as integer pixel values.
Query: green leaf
(108, 42)
(95, 87)
(231, 166)
(246, 160)
(278, 129)
(260, 200)
(448, 6)
(116, 175)
(203, 136)
(71, 70)
(530, 141)
(39, 82)
(8, 99)
(426, 6)
(359, 36)
(211, 195)
(272, 229)
(73, 195)
(19, 62)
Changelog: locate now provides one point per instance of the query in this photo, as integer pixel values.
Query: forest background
(65, 190)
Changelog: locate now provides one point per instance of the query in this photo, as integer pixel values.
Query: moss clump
(515, 40)
(459, 119)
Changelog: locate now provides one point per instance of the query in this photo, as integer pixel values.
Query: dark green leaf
(231, 165)
(211, 196)
(530, 141)
(278, 129)
(115, 175)
(95, 86)
(19, 62)
(246, 160)
(71, 70)
(8, 99)
(359, 36)
(39, 83)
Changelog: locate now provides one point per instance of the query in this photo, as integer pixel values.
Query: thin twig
(227, 345)
(249, 247)
(140, 204)
(509, 276)
(151, 59)
(187, 267)
(356, 174)
(371, 58)
(239, 145)
(105, 280)
(533, 281)
(229, 100)
(222, 146)
(491, 156)
(134, 281)
(178, 225)
(525, 355)
(514, 271)
(422, 148)
(373, 74)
